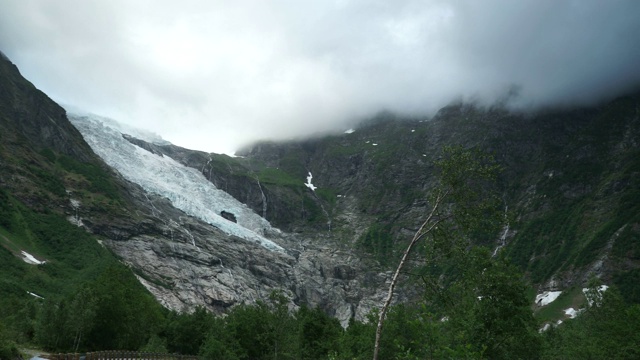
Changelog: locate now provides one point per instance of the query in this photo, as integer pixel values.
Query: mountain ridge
(570, 183)
(555, 164)
(145, 231)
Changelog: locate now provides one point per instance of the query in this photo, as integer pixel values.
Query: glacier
(186, 188)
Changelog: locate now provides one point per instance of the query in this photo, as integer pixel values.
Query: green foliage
(293, 163)
(468, 178)
(6, 210)
(279, 177)
(72, 256)
(318, 333)
(126, 314)
(571, 297)
(156, 344)
(474, 305)
(610, 330)
(8, 349)
(629, 284)
(378, 242)
(551, 238)
(329, 196)
(112, 312)
(187, 332)
(101, 181)
(49, 180)
(270, 331)
(48, 154)
(484, 301)
(92, 301)
(357, 340)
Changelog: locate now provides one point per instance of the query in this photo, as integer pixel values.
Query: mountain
(207, 248)
(322, 220)
(188, 242)
(569, 185)
(569, 182)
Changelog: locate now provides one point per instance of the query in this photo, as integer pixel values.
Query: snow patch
(350, 131)
(30, 259)
(412, 130)
(547, 297)
(309, 184)
(34, 295)
(75, 221)
(572, 313)
(600, 289)
(374, 144)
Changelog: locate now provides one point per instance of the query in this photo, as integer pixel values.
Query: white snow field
(30, 259)
(572, 313)
(309, 184)
(186, 188)
(547, 297)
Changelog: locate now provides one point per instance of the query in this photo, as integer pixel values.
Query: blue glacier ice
(186, 188)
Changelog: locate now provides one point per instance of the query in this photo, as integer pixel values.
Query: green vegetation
(378, 242)
(609, 330)
(279, 177)
(85, 297)
(570, 298)
(8, 348)
(101, 181)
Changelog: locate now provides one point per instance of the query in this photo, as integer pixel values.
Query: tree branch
(394, 280)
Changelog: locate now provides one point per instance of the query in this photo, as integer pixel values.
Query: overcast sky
(214, 75)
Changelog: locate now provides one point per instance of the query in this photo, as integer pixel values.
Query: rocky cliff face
(193, 244)
(183, 259)
(32, 119)
(569, 183)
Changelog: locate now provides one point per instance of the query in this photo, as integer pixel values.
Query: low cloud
(214, 75)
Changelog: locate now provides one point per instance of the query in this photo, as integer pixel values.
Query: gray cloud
(213, 75)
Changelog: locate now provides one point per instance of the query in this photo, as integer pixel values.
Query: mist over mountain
(214, 76)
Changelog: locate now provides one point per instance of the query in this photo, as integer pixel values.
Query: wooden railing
(121, 355)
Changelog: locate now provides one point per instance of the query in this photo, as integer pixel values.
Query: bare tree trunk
(425, 228)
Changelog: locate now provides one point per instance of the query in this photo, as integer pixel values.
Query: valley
(311, 227)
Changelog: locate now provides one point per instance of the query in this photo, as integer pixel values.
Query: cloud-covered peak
(214, 75)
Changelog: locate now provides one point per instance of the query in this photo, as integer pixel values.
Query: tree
(608, 329)
(126, 314)
(81, 319)
(8, 349)
(187, 332)
(460, 206)
(318, 333)
(49, 329)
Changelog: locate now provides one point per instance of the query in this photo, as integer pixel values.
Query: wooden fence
(121, 355)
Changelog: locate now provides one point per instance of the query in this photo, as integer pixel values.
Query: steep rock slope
(199, 257)
(182, 258)
(570, 181)
(570, 185)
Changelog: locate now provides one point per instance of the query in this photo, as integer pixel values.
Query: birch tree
(461, 205)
